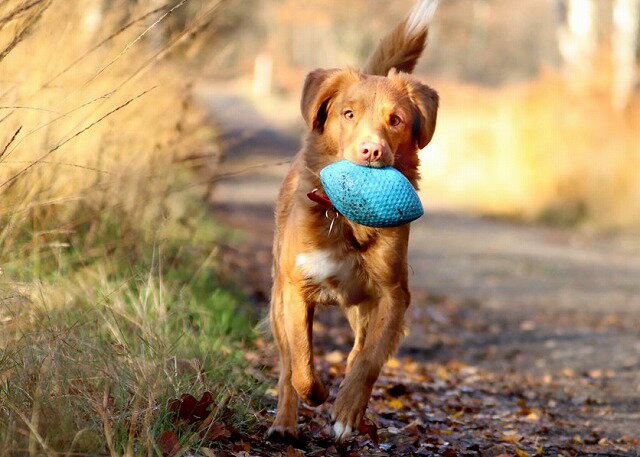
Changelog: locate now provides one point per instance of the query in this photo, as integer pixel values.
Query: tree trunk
(626, 17)
(577, 37)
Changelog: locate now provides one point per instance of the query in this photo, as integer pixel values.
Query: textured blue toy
(375, 197)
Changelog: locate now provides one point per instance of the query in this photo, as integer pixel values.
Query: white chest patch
(318, 265)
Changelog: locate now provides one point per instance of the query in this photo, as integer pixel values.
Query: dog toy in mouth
(375, 197)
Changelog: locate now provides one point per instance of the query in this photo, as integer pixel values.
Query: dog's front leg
(298, 323)
(286, 421)
(383, 335)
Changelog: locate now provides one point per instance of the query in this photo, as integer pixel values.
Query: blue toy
(375, 197)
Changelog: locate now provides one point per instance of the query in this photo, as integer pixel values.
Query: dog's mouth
(380, 163)
(371, 163)
(376, 164)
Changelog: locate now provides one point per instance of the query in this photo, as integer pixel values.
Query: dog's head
(369, 120)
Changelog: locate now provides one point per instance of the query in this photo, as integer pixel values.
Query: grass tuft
(110, 300)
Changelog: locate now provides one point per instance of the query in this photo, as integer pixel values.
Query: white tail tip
(421, 16)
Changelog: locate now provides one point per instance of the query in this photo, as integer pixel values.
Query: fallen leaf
(595, 373)
(368, 428)
(522, 453)
(414, 428)
(533, 416)
(442, 373)
(397, 390)
(272, 392)
(334, 357)
(169, 444)
(508, 438)
(241, 446)
(186, 406)
(215, 431)
(396, 404)
(191, 410)
(393, 363)
(201, 409)
(293, 452)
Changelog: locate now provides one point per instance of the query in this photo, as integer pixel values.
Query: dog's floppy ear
(319, 87)
(425, 101)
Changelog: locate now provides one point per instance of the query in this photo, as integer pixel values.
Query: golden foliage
(536, 150)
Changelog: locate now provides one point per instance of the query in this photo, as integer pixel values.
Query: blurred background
(539, 116)
(138, 136)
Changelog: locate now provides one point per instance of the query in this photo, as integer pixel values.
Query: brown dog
(377, 117)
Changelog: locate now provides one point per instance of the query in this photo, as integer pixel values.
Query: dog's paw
(318, 394)
(341, 431)
(348, 412)
(312, 393)
(281, 433)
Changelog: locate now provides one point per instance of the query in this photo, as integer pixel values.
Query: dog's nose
(370, 151)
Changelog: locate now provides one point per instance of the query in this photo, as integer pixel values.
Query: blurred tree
(217, 31)
(92, 16)
(626, 21)
(480, 15)
(577, 37)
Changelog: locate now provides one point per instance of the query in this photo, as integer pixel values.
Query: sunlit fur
(361, 269)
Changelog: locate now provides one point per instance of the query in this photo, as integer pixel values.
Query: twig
(30, 132)
(21, 35)
(164, 51)
(102, 411)
(18, 10)
(84, 167)
(34, 432)
(231, 174)
(7, 116)
(106, 40)
(188, 31)
(138, 38)
(34, 108)
(10, 141)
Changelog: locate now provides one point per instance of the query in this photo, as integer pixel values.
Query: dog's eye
(348, 114)
(395, 120)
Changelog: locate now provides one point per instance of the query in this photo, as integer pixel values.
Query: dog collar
(321, 200)
(326, 204)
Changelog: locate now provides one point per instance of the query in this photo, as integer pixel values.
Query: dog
(378, 116)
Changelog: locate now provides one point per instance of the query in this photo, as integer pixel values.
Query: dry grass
(537, 150)
(87, 141)
(108, 299)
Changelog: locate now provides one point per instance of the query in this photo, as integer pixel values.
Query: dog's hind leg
(286, 421)
(358, 317)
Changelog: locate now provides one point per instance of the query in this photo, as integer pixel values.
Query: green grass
(98, 334)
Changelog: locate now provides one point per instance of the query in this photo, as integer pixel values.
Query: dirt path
(546, 319)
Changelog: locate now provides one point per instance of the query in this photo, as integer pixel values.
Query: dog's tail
(402, 48)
